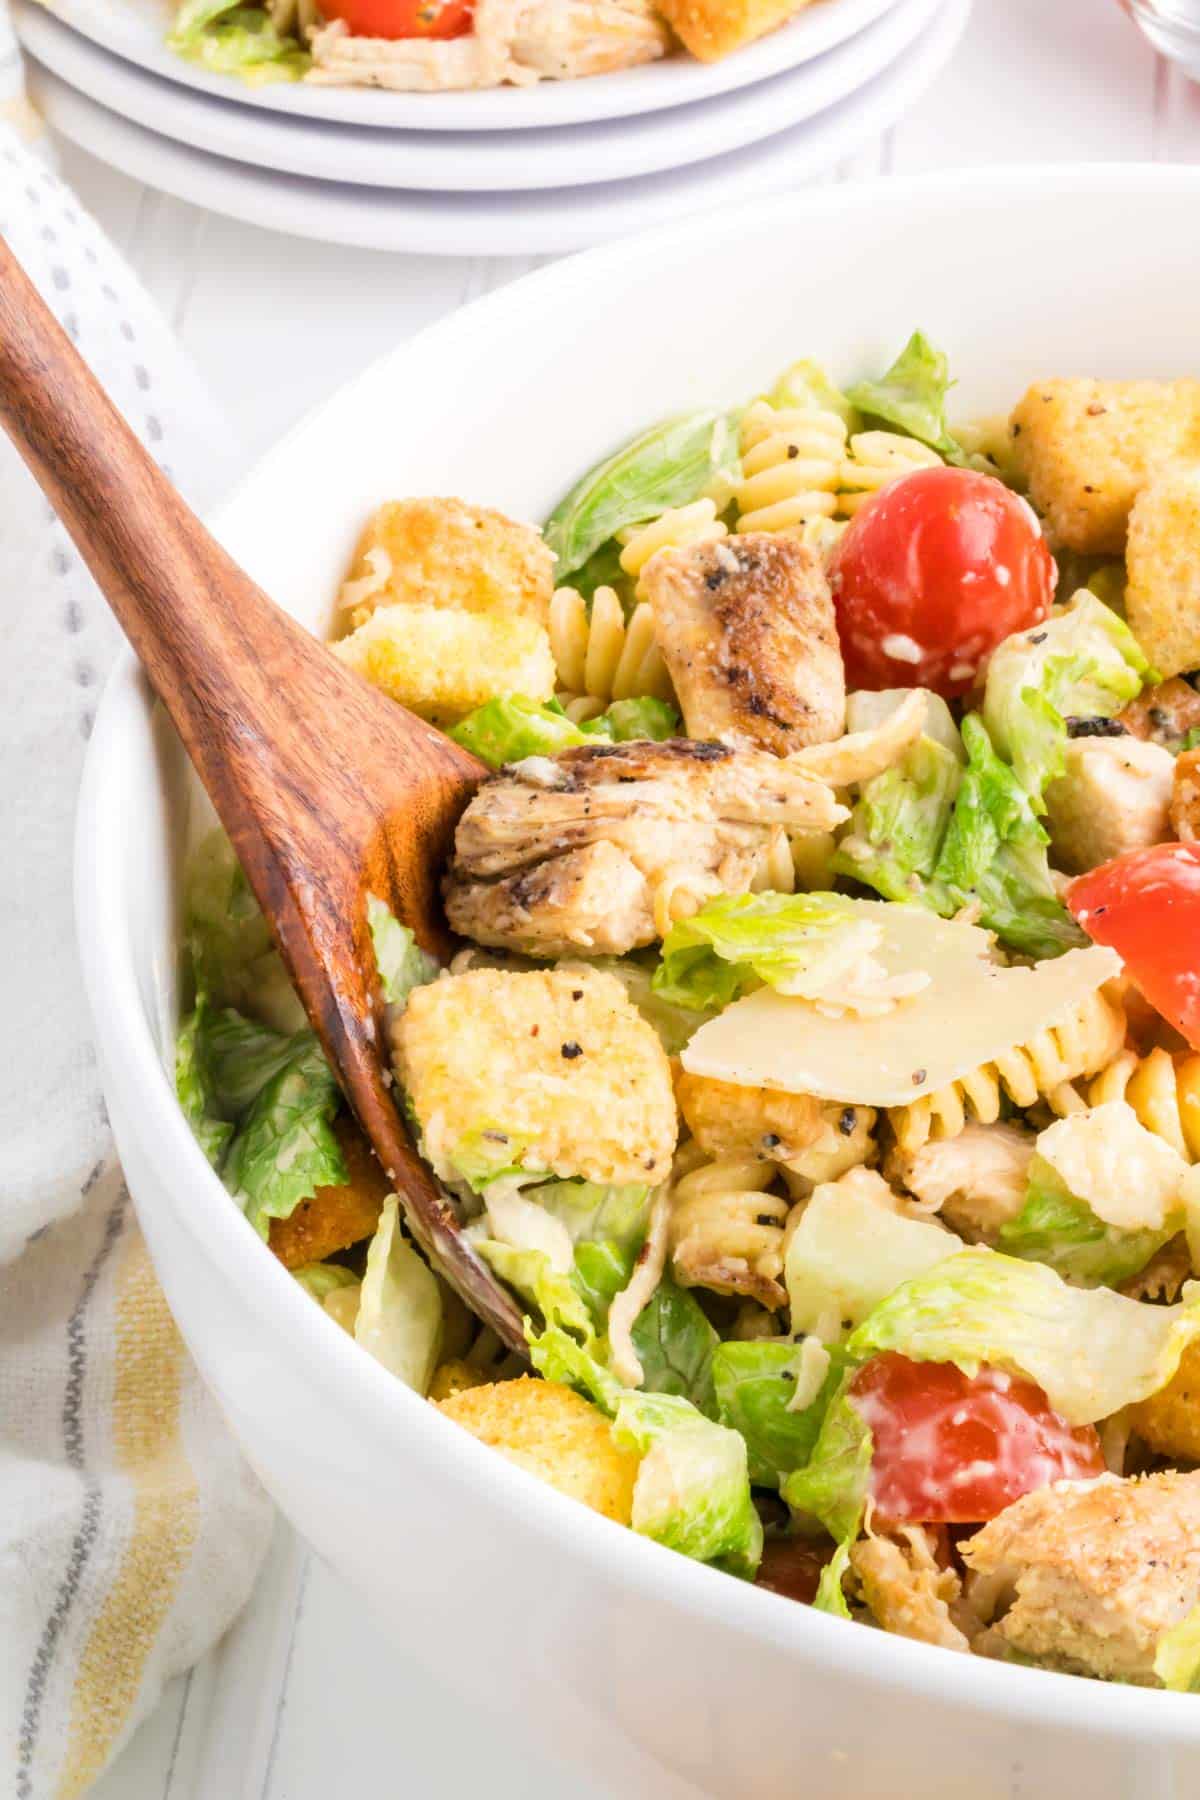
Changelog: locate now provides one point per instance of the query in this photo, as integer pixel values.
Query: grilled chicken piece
(1086, 1576)
(906, 1589)
(596, 849)
(747, 630)
(975, 1182)
(1112, 796)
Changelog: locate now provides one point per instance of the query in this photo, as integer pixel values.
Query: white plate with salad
(215, 41)
(474, 161)
(512, 222)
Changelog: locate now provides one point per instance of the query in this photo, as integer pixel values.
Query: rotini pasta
(877, 457)
(600, 656)
(727, 1226)
(672, 530)
(791, 465)
(1164, 1092)
(1039, 1070)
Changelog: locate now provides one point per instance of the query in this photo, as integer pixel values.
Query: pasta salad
(821, 1064)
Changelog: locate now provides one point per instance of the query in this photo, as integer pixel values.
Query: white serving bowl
(661, 1677)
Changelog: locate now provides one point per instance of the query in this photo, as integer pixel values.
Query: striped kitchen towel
(131, 1531)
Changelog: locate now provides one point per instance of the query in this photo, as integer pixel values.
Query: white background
(306, 1702)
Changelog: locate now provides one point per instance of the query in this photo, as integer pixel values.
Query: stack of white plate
(512, 171)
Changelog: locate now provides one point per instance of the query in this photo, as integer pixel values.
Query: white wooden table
(305, 1699)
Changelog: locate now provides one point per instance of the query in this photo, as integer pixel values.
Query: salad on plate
(438, 46)
(821, 1065)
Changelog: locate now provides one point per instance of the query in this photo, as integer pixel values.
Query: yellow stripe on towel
(148, 1448)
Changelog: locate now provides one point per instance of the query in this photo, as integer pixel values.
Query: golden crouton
(454, 1377)
(444, 664)
(445, 553)
(727, 1120)
(1162, 594)
(1169, 1421)
(1085, 449)
(550, 1070)
(335, 1217)
(710, 29)
(559, 1437)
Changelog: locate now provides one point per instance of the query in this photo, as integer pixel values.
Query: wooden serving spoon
(328, 790)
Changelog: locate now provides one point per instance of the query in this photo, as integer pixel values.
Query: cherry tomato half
(402, 18)
(931, 574)
(1146, 906)
(956, 1450)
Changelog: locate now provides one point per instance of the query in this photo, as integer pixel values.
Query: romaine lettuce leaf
(755, 1386)
(511, 727)
(806, 385)
(532, 1275)
(1177, 1656)
(321, 1279)
(233, 957)
(567, 1247)
(850, 1250)
(692, 1491)
(399, 1319)
(557, 1356)
(674, 1024)
(675, 1345)
(1083, 662)
(832, 1486)
(242, 1056)
(401, 962)
(795, 943)
(899, 821)
(911, 397)
(194, 1090)
(1055, 1228)
(994, 852)
(667, 466)
(285, 1148)
(1090, 1350)
(228, 39)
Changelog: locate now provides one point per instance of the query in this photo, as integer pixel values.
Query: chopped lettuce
(401, 962)
(1084, 662)
(898, 824)
(511, 727)
(795, 943)
(567, 1247)
(850, 1251)
(229, 39)
(833, 1487)
(1055, 1228)
(669, 465)
(321, 1279)
(806, 385)
(242, 1056)
(911, 397)
(285, 1148)
(233, 957)
(675, 1344)
(692, 1491)
(994, 853)
(1177, 1655)
(755, 1386)
(399, 1319)
(1091, 1350)
(194, 1088)
(675, 1024)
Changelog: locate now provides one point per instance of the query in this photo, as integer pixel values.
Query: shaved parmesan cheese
(972, 1011)
(1108, 1159)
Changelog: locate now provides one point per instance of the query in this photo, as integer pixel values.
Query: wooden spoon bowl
(328, 790)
